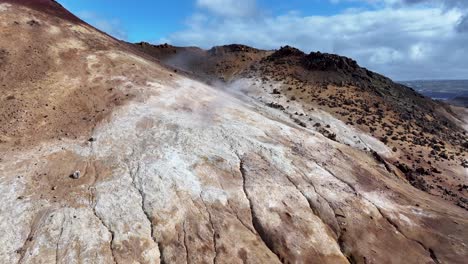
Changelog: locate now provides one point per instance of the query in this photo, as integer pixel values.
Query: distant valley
(453, 91)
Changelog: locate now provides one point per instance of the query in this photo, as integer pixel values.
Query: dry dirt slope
(176, 171)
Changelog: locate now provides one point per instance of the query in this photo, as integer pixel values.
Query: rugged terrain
(109, 156)
(429, 145)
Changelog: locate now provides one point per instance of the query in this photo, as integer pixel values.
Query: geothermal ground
(108, 155)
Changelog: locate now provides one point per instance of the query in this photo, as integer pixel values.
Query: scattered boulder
(76, 175)
(275, 105)
(299, 122)
(33, 23)
(275, 91)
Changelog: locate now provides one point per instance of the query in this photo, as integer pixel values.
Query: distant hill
(452, 91)
(459, 101)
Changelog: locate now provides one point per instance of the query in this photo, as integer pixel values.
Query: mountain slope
(110, 157)
(429, 145)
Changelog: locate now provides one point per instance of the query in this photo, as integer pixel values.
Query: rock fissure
(91, 187)
(133, 175)
(36, 224)
(233, 212)
(57, 257)
(213, 230)
(93, 207)
(255, 221)
(161, 254)
(93, 202)
(341, 180)
(111, 242)
(314, 211)
(22, 250)
(340, 246)
(367, 148)
(240, 220)
(388, 220)
(321, 196)
(187, 255)
(343, 248)
(143, 198)
(382, 161)
(398, 229)
(339, 232)
(91, 159)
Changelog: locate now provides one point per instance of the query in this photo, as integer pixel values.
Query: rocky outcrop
(220, 50)
(315, 61)
(329, 62)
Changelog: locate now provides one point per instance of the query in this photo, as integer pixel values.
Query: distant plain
(440, 89)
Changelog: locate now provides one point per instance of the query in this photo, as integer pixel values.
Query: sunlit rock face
(176, 171)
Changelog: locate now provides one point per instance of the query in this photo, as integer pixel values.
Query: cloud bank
(403, 39)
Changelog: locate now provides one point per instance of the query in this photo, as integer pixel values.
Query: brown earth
(49, 87)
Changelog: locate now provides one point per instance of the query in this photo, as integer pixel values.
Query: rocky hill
(429, 144)
(108, 155)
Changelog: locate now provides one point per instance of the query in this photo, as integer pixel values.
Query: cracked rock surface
(182, 172)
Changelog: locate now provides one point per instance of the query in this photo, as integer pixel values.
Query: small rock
(54, 188)
(76, 175)
(275, 105)
(33, 23)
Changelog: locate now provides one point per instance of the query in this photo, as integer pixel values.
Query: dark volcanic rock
(285, 52)
(219, 50)
(317, 61)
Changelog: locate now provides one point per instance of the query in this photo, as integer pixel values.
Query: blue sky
(403, 39)
(151, 21)
(145, 20)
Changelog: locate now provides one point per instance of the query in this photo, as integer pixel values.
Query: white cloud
(446, 3)
(232, 8)
(403, 43)
(385, 55)
(112, 27)
(419, 51)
